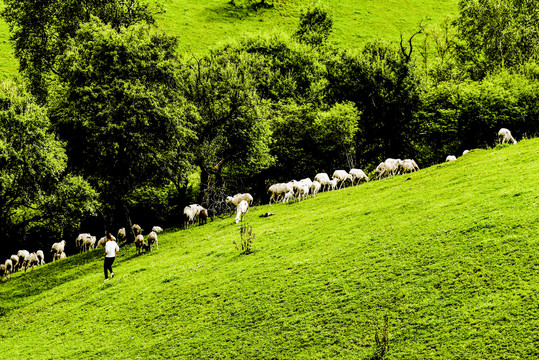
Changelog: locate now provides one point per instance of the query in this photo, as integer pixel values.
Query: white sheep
(235, 200)
(157, 229)
(188, 216)
(137, 229)
(324, 181)
(41, 257)
(278, 190)
(505, 137)
(333, 183)
(2, 271)
(465, 152)
(382, 171)
(30, 260)
(101, 242)
(302, 190)
(359, 175)
(288, 196)
(152, 239)
(450, 158)
(21, 254)
(341, 176)
(241, 210)
(63, 255)
(89, 243)
(408, 166)
(140, 244)
(15, 261)
(79, 241)
(315, 188)
(8, 266)
(122, 236)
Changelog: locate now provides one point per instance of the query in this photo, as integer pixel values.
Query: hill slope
(200, 25)
(447, 253)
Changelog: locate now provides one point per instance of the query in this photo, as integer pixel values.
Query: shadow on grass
(238, 10)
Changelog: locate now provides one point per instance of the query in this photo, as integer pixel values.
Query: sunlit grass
(448, 253)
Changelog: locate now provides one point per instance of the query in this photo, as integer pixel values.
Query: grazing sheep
(8, 266)
(302, 190)
(288, 196)
(315, 188)
(203, 217)
(63, 255)
(157, 229)
(393, 166)
(465, 152)
(140, 244)
(89, 243)
(324, 181)
(79, 241)
(122, 236)
(101, 242)
(15, 261)
(30, 260)
(137, 229)
(359, 175)
(2, 271)
(333, 183)
(450, 158)
(235, 200)
(152, 239)
(40, 257)
(408, 166)
(188, 216)
(241, 210)
(382, 171)
(505, 137)
(21, 254)
(58, 248)
(278, 190)
(342, 176)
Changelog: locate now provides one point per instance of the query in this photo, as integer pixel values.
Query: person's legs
(108, 266)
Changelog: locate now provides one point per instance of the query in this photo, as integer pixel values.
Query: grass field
(449, 254)
(201, 25)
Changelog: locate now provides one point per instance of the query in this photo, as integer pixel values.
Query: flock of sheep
(285, 192)
(84, 242)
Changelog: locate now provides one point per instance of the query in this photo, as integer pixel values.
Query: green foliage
(449, 255)
(315, 26)
(497, 34)
(36, 192)
(40, 30)
(117, 105)
(246, 240)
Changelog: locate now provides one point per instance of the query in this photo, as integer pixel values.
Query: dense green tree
(315, 26)
(116, 105)
(37, 195)
(497, 34)
(40, 30)
(234, 131)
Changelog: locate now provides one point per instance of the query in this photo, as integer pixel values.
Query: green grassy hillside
(204, 24)
(447, 253)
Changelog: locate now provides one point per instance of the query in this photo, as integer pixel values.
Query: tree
(37, 194)
(315, 26)
(116, 105)
(234, 132)
(40, 30)
(497, 34)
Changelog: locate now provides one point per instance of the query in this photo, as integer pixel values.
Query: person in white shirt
(111, 250)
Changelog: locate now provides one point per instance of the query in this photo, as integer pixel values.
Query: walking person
(111, 250)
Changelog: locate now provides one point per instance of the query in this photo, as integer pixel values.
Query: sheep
(157, 229)
(152, 238)
(122, 236)
(2, 271)
(40, 257)
(101, 242)
(505, 137)
(393, 166)
(140, 244)
(341, 176)
(137, 229)
(408, 166)
(30, 260)
(15, 261)
(63, 255)
(188, 216)
(58, 248)
(450, 158)
(288, 196)
(203, 217)
(8, 266)
(278, 190)
(382, 171)
(315, 188)
(21, 254)
(79, 241)
(465, 152)
(358, 174)
(241, 210)
(235, 200)
(333, 183)
(89, 243)
(323, 179)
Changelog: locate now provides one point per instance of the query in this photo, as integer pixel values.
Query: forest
(106, 124)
